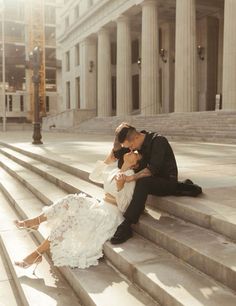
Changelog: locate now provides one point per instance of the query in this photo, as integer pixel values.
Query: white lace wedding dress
(80, 225)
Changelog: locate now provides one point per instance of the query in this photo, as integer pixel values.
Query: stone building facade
(147, 56)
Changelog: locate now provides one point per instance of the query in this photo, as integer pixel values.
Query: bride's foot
(28, 261)
(30, 224)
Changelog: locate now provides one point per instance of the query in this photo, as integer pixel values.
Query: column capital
(88, 41)
(123, 18)
(149, 3)
(103, 30)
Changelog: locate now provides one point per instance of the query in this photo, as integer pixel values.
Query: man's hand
(129, 178)
(143, 173)
(116, 144)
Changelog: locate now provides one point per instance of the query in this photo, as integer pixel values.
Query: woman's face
(132, 157)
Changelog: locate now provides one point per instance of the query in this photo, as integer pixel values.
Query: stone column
(229, 56)
(150, 103)
(185, 57)
(88, 78)
(123, 75)
(104, 73)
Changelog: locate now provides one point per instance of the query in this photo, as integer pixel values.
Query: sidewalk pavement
(211, 165)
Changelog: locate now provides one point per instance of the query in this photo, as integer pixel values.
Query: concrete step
(201, 211)
(11, 126)
(9, 294)
(22, 167)
(206, 126)
(205, 250)
(94, 286)
(167, 279)
(48, 287)
(75, 171)
(181, 238)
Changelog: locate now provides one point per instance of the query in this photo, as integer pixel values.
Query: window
(76, 10)
(68, 61)
(10, 103)
(68, 95)
(47, 104)
(135, 51)
(78, 92)
(113, 92)
(50, 14)
(135, 90)
(113, 53)
(67, 23)
(21, 103)
(77, 62)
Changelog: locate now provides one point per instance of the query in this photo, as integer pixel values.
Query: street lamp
(35, 58)
(4, 117)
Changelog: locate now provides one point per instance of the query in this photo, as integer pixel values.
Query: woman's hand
(120, 181)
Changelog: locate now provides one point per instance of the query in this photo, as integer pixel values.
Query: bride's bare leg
(31, 223)
(35, 257)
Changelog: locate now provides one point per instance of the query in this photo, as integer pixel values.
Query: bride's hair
(121, 160)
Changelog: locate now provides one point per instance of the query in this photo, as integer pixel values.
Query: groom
(157, 175)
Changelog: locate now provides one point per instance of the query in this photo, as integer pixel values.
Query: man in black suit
(157, 174)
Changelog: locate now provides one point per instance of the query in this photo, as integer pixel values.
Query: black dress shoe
(188, 181)
(122, 234)
(188, 189)
(191, 193)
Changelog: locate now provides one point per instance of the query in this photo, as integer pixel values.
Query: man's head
(129, 137)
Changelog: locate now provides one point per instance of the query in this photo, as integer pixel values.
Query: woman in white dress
(79, 224)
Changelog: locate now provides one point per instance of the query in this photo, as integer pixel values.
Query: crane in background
(36, 38)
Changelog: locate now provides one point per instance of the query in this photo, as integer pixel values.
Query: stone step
(176, 126)
(181, 238)
(152, 268)
(22, 167)
(201, 211)
(100, 285)
(204, 126)
(8, 290)
(48, 287)
(83, 174)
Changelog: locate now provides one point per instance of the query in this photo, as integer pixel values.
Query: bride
(80, 225)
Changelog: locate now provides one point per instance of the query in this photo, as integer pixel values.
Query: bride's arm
(125, 192)
(110, 158)
(97, 174)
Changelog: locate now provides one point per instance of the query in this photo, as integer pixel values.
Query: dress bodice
(105, 174)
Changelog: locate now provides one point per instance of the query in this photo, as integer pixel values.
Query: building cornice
(105, 11)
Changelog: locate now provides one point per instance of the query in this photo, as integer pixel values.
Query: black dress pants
(156, 186)
(148, 185)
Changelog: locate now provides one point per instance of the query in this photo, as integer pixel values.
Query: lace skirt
(80, 225)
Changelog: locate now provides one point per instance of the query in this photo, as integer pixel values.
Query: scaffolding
(36, 38)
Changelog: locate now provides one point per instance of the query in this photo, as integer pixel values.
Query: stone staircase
(14, 126)
(183, 251)
(212, 126)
